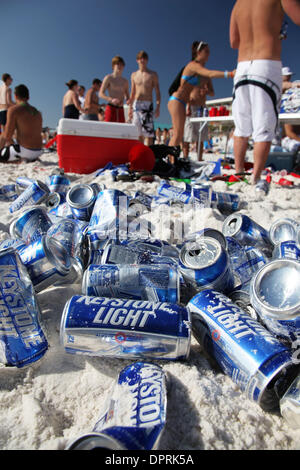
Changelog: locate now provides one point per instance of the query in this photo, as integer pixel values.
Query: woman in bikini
(191, 76)
(71, 103)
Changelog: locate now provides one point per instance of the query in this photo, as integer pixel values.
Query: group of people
(114, 91)
(257, 87)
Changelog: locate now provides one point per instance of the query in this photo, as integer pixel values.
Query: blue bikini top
(191, 79)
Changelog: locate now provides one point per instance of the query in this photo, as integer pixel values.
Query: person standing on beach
(141, 111)
(255, 32)
(191, 77)
(26, 121)
(118, 90)
(91, 102)
(5, 99)
(81, 97)
(71, 105)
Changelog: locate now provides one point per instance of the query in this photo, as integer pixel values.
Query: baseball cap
(286, 71)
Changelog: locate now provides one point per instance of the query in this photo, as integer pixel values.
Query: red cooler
(86, 146)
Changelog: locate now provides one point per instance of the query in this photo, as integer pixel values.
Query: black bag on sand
(163, 167)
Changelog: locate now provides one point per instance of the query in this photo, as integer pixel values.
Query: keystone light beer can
(70, 233)
(225, 202)
(206, 264)
(141, 392)
(81, 199)
(58, 183)
(283, 230)
(275, 295)
(247, 352)
(154, 283)
(36, 193)
(104, 327)
(22, 339)
(175, 193)
(246, 231)
(30, 225)
(46, 260)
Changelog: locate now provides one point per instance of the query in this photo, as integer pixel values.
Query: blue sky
(44, 43)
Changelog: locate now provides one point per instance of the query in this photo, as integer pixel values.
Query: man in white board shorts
(255, 32)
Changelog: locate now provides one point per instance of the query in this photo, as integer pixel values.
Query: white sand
(62, 397)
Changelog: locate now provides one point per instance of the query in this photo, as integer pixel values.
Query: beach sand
(62, 396)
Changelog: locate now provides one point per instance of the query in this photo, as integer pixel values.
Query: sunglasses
(201, 44)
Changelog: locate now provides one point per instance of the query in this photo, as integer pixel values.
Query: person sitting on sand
(26, 121)
(190, 78)
(118, 90)
(71, 104)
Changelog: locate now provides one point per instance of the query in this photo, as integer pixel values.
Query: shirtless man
(27, 122)
(118, 90)
(254, 31)
(143, 82)
(91, 102)
(5, 99)
(197, 99)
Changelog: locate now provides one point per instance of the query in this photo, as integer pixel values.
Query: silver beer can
(275, 295)
(81, 199)
(283, 230)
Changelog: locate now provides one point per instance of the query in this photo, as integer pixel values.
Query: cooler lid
(113, 130)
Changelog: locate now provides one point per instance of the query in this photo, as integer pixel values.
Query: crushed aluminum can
(47, 261)
(14, 243)
(8, 192)
(238, 260)
(34, 194)
(70, 233)
(81, 199)
(54, 200)
(142, 282)
(103, 327)
(109, 216)
(22, 182)
(141, 390)
(142, 198)
(153, 246)
(62, 209)
(256, 361)
(30, 224)
(246, 231)
(207, 232)
(290, 404)
(22, 340)
(225, 202)
(288, 249)
(241, 297)
(283, 230)
(175, 193)
(122, 254)
(274, 294)
(205, 263)
(74, 275)
(58, 183)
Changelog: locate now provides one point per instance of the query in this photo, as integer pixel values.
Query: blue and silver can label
(225, 202)
(46, 261)
(21, 337)
(35, 193)
(153, 283)
(205, 264)
(135, 414)
(283, 230)
(99, 326)
(58, 183)
(287, 249)
(175, 193)
(246, 231)
(243, 348)
(31, 224)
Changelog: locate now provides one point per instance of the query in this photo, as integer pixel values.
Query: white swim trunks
(191, 130)
(257, 95)
(143, 117)
(15, 152)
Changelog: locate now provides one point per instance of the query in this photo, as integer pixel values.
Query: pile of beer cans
(236, 290)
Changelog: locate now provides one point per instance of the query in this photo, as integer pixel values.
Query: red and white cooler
(86, 146)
